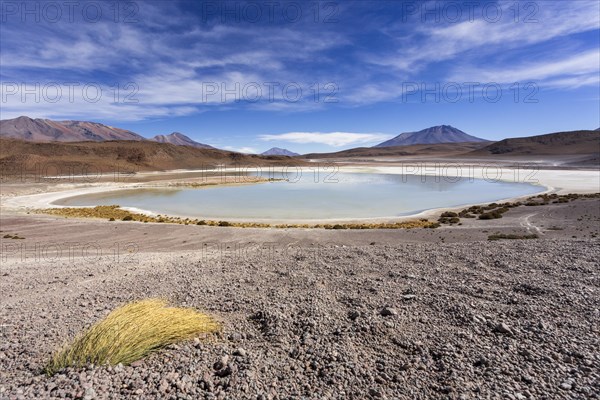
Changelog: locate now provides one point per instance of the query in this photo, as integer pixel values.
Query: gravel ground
(475, 320)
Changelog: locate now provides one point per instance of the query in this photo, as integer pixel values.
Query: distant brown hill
(560, 143)
(28, 157)
(440, 149)
(180, 140)
(45, 130)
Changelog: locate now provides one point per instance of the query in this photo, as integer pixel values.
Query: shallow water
(306, 197)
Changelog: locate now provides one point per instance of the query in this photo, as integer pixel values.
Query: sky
(304, 75)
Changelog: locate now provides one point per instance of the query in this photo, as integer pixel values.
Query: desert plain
(499, 308)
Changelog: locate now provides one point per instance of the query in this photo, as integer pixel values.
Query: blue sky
(244, 75)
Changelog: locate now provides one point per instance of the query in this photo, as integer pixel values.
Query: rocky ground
(508, 319)
(314, 313)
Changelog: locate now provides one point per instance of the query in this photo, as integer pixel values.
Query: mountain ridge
(557, 143)
(46, 130)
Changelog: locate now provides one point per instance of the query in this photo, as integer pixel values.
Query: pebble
(503, 328)
(567, 385)
(388, 311)
(239, 352)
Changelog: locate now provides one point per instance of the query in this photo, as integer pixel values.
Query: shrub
(224, 223)
(203, 222)
(449, 214)
(111, 219)
(338, 226)
(127, 218)
(130, 333)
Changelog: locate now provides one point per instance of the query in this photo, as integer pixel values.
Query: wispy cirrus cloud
(171, 54)
(562, 71)
(434, 43)
(335, 139)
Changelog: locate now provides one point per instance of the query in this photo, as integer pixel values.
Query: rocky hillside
(45, 130)
(180, 139)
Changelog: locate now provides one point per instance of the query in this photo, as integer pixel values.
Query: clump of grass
(15, 236)
(132, 332)
(501, 236)
(449, 214)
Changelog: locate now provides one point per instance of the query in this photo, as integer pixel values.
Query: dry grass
(130, 333)
(114, 213)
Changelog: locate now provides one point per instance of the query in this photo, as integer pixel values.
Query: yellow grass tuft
(130, 333)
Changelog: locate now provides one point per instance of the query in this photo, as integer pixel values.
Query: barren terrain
(417, 313)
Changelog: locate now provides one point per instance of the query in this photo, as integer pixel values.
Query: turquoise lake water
(344, 196)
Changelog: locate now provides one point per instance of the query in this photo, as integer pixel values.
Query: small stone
(239, 352)
(90, 394)
(567, 385)
(503, 328)
(222, 363)
(527, 379)
(388, 311)
(353, 315)
(409, 296)
(481, 362)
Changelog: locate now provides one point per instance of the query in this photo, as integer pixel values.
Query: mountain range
(433, 135)
(441, 140)
(276, 151)
(46, 130)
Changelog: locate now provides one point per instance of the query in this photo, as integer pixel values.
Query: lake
(310, 197)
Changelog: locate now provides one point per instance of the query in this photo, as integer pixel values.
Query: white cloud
(246, 150)
(336, 139)
(584, 67)
(554, 19)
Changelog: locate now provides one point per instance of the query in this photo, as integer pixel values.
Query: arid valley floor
(313, 313)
